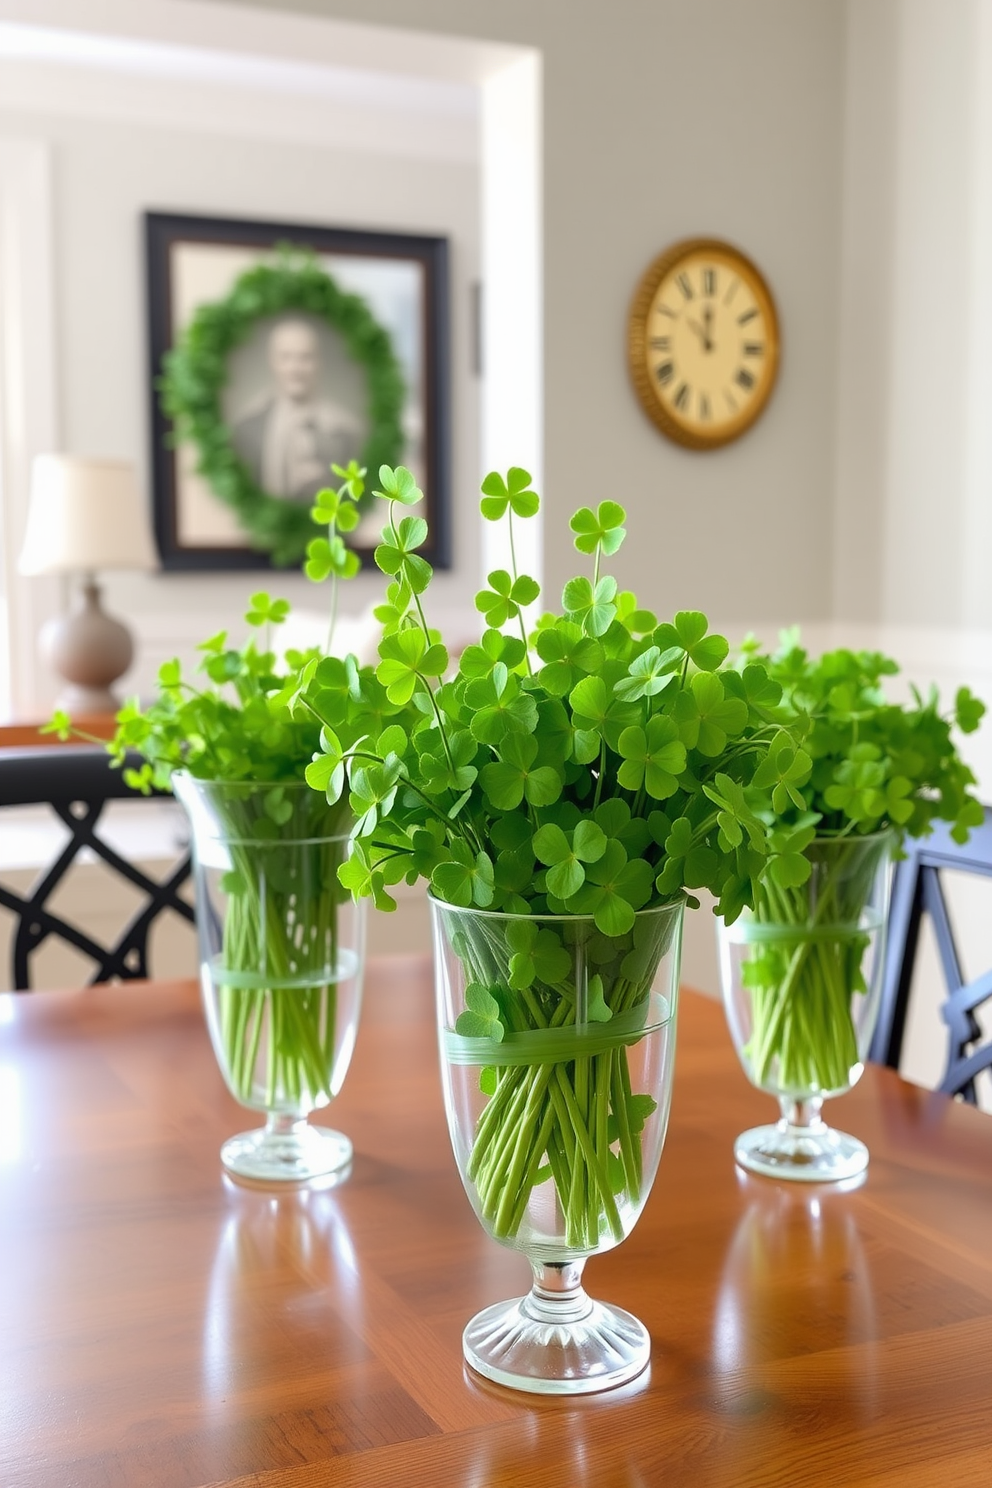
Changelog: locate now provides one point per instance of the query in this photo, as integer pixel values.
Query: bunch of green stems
(806, 966)
(576, 1121)
(277, 981)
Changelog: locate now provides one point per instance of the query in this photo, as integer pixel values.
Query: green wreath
(194, 374)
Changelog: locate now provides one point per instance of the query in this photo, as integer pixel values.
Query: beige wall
(663, 120)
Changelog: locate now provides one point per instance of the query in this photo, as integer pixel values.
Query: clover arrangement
(240, 724)
(879, 771)
(874, 764)
(595, 763)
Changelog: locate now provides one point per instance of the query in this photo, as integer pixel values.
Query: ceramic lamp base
(287, 1151)
(557, 1340)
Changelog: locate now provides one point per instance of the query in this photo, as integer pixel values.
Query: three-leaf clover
(466, 878)
(536, 955)
(602, 528)
(513, 492)
(565, 854)
(688, 632)
(653, 756)
(591, 606)
(481, 1015)
(514, 777)
(504, 599)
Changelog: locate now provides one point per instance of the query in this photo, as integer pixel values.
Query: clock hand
(701, 333)
(708, 323)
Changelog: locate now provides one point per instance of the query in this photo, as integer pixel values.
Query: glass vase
(282, 950)
(802, 982)
(557, 1045)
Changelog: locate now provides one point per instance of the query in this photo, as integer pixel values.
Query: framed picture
(278, 350)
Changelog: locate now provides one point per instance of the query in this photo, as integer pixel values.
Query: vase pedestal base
(287, 1150)
(806, 1153)
(557, 1340)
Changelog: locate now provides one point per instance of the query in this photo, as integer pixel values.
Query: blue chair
(917, 891)
(76, 783)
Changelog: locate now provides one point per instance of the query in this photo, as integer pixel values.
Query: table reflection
(283, 1260)
(795, 1281)
(552, 1428)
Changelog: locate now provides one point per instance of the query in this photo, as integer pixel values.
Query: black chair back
(918, 891)
(77, 783)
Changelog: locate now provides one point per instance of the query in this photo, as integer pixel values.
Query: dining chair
(77, 783)
(919, 891)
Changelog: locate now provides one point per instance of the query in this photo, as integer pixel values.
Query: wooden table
(163, 1328)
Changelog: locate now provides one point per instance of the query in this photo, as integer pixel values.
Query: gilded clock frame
(637, 331)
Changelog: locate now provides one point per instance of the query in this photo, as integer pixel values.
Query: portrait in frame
(276, 351)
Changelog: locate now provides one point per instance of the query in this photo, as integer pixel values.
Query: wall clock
(703, 343)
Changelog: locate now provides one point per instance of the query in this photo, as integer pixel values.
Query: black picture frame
(164, 231)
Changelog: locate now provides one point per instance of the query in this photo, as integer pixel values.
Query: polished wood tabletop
(163, 1328)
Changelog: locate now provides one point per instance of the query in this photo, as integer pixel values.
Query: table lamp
(85, 515)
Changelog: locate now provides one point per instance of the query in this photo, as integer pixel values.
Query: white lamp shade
(85, 515)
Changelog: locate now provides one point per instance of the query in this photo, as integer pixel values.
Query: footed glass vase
(282, 949)
(557, 1044)
(802, 981)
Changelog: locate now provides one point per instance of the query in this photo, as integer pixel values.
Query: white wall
(119, 143)
(913, 494)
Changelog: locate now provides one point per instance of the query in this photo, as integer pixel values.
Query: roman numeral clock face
(703, 343)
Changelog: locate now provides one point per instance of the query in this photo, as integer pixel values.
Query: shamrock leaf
(398, 599)
(734, 817)
(597, 1010)
(653, 757)
(600, 529)
(170, 675)
(968, 710)
(787, 865)
(450, 769)
(480, 1019)
(649, 674)
(363, 880)
(328, 555)
(499, 707)
(784, 769)
(267, 611)
(568, 655)
(326, 773)
(637, 621)
(595, 707)
(479, 660)
(513, 492)
(406, 659)
(591, 607)
(706, 718)
(514, 777)
(394, 554)
(688, 632)
(504, 599)
(688, 863)
(565, 858)
(373, 791)
(466, 878)
(276, 807)
(614, 889)
(858, 782)
(536, 955)
(59, 724)
(399, 485)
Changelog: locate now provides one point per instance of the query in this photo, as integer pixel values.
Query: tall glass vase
(802, 982)
(557, 1045)
(282, 949)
